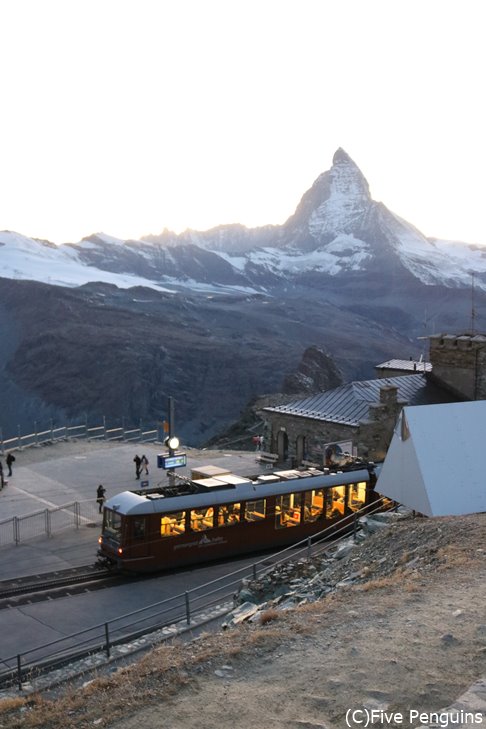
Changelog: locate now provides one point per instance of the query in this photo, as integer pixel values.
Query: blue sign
(178, 460)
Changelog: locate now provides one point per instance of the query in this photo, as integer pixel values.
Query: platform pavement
(53, 475)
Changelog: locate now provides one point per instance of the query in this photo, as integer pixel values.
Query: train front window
(287, 510)
(112, 522)
(313, 505)
(202, 519)
(171, 525)
(255, 510)
(357, 495)
(229, 514)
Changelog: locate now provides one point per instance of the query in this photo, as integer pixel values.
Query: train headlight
(120, 551)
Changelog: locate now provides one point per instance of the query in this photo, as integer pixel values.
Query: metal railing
(178, 609)
(144, 433)
(46, 521)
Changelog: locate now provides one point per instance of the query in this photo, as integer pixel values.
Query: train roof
(280, 482)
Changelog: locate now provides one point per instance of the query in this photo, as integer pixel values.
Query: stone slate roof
(406, 365)
(348, 404)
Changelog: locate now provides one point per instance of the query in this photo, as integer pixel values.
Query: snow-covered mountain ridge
(337, 229)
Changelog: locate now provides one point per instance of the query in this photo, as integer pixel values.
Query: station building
(359, 418)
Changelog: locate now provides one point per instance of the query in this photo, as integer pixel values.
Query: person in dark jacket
(100, 496)
(137, 460)
(9, 460)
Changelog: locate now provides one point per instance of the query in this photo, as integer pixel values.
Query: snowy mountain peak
(337, 229)
(346, 177)
(346, 202)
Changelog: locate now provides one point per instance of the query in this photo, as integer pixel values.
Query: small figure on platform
(9, 460)
(137, 460)
(2, 483)
(144, 465)
(100, 496)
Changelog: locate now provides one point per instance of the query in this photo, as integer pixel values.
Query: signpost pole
(171, 471)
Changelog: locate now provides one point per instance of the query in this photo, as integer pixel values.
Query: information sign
(178, 460)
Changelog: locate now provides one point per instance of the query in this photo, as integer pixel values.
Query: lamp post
(172, 442)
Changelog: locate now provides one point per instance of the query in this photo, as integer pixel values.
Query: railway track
(52, 585)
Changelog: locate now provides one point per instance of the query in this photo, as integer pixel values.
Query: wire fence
(176, 610)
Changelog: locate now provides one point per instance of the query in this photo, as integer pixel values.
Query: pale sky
(129, 116)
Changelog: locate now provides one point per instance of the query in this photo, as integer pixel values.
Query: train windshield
(112, 522)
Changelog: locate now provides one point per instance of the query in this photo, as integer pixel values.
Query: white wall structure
(436, 461)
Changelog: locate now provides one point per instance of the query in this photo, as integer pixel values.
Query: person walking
(100, 496)
(2, 483)
(9, 460)
(137, 460)
(144, 465)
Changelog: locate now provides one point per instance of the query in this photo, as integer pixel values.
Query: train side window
(255, 510)
(202, 519)
(313, 505)
(357, 495)
(337, 497)
(229, 514)
(172, 524)
(139, 528)
(287, 510)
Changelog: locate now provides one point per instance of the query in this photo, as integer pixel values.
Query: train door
(139, 537)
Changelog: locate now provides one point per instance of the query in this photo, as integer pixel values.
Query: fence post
(48, 522)
(355, 526)
(16, 530)
(19, 672)
(254, 571)
(52, 430)
(104, 427)
(309, 545)
(188, 610)
(19, 439)
(77, 514)
(36, 433)
(107, 640)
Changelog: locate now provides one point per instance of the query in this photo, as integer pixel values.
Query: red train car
(214, 518)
